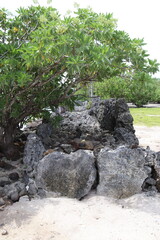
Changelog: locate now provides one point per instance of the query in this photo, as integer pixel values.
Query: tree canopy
(46, 58)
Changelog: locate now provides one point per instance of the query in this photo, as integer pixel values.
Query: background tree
(135, 83)
(138, 89)
(45, 59)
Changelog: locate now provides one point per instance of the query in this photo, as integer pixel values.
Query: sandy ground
(94, 218)
(148, 136)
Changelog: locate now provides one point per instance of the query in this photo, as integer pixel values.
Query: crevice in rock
(149, 183)
(96, 182)
(6, 166)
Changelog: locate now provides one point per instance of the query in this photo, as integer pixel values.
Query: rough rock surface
(14, 191)
(33, 152)
(114, 116)
(78, 125)
(121, 172)
(107, 121)
(44, 132)
(71, 175)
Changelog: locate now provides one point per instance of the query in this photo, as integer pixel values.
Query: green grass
(146, 116)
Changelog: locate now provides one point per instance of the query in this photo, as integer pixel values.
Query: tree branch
(37, 82)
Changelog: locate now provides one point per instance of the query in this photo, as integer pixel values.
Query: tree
(135, 83)
(138, 89)
(45, 59)
(141, 89)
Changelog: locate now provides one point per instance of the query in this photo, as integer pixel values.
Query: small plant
(89, 104)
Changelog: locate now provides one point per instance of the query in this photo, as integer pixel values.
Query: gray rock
(5, 165)
(2, 202)
(14, 196)
(81, 106)
(70, 175)
(33, 151)
(121, 172)
(14, 191)
(11, 192)
(104, 111)
(125, 120)
(1, 192)
(32, 190)
(4, 181)
(44, 132)
(4, 232)
(113, 115)
(106, 117)
(150, 181)
(157, 169)
(77, 125)
(158, 158)
(148, 170)
(67, 148)
(123, 135)
(21, 188)
(14, 176)
(150, 157)
(158, 185)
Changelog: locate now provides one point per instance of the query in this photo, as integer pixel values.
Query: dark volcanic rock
(77, 125)
(6, 165)
(33, 151)
(14, 176)
(123, 135)
(2, 202)
(44, 132)
(108, 121)
(114, 116)
(71, 175)
(4, 181)
(121, 172)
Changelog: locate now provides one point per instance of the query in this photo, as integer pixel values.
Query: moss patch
(146, 116)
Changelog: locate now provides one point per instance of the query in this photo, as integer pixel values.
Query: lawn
(146, 116)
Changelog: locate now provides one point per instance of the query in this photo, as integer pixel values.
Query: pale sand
(148, 136)
(94, 218)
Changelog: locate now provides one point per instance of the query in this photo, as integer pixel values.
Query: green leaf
(35, 1)
(43, 19)
(49, 1)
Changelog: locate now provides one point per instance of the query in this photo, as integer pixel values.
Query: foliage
(146, 116)
(141, 89)
(45, 59)
(156, 98)
(138, 89)
(115, 87)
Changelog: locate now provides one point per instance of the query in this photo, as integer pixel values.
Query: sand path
(148, 136)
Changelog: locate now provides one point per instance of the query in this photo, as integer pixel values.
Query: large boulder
(107, 121)
(121, 172)
(71, 175)
(113, 116)
(77, 125)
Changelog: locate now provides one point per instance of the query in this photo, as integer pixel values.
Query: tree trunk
(7, 147)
